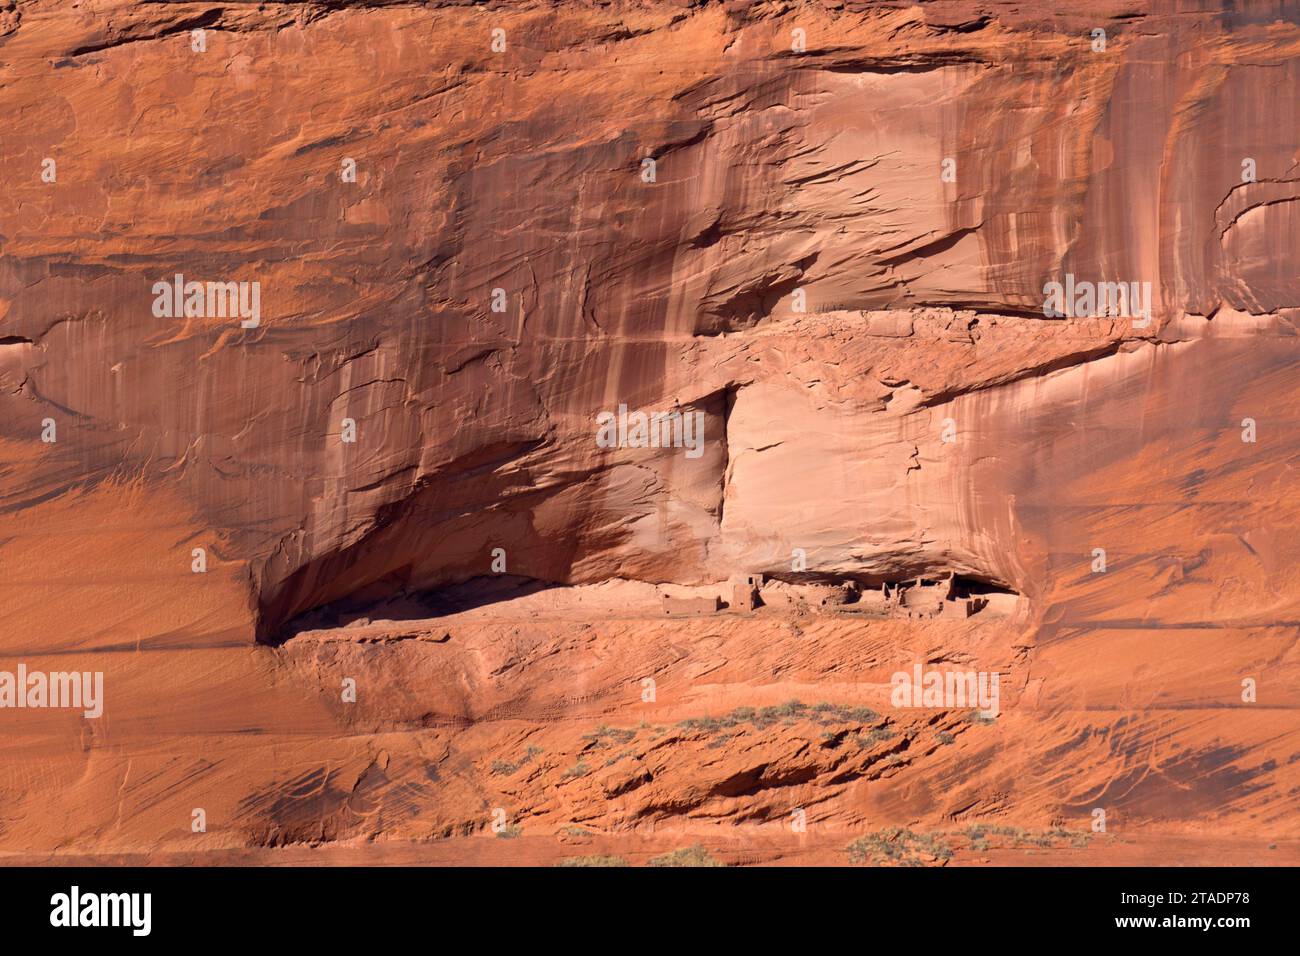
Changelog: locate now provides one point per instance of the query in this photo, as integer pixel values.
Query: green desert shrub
(688, 856)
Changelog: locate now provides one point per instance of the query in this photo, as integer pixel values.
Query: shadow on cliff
(409, 605)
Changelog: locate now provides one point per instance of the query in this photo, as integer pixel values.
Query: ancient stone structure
(744, 592)
(690, 606)
(828, 258)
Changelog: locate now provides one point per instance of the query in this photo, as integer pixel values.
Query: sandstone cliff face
(825, 227)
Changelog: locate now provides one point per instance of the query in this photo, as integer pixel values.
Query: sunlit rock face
(827, 234)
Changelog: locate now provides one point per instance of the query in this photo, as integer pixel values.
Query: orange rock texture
(327, 332)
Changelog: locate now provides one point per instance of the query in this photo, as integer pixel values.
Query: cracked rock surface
(836, 256)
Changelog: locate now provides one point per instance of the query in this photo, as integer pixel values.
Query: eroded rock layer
(826, 233)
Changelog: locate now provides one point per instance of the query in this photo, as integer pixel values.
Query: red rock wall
(782, 180)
